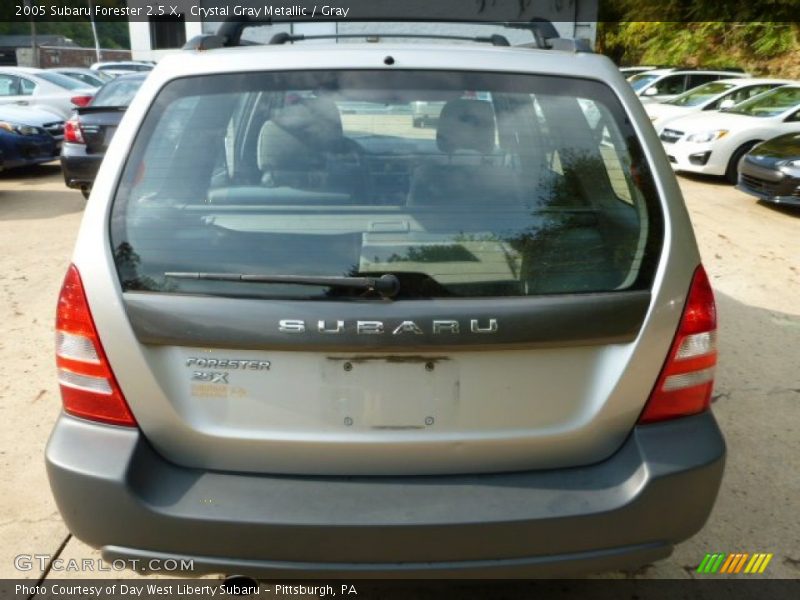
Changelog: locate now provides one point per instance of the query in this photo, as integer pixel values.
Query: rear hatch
(523, 230)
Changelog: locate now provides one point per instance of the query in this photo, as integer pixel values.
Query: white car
(716, 95)
(121, 67)
(659, 85)
(713, 143)
(21, 86)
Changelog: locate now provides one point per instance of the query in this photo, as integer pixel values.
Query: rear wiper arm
(386, 285)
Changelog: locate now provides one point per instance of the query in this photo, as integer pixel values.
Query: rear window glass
(61, 80)
(119, 92)
(511, 185)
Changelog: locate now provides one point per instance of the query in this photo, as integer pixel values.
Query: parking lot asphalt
(752, 254)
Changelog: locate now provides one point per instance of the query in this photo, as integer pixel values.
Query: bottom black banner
(240, 587)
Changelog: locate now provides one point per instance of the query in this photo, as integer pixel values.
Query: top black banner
(473, 11)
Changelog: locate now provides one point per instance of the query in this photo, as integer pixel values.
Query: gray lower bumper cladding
(117, 494)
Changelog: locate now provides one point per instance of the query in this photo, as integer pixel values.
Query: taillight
(72, 132)
(687, 378)
(81, 100)
(88, 387)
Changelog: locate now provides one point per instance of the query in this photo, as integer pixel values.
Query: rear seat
(473, 172)
(304, 158)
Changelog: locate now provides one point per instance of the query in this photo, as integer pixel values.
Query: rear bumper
(79, 168)
(117, 494)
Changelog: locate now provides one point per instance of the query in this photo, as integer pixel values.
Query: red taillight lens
(72, 132)
(88, 387)
(687, 378)
(81, 100)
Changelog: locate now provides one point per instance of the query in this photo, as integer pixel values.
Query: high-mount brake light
(687, 378)
(88, 387)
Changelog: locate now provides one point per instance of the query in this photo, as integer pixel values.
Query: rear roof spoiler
(543, 32)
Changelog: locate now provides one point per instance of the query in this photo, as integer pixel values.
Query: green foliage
(759, 46)
(112, 34)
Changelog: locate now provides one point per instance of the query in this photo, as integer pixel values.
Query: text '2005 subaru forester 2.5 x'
(301, 337)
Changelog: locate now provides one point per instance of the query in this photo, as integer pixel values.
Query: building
(17, 50)
(153, 37)
(52, 51)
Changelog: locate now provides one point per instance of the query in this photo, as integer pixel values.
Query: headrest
(299, 134)
(316, 121)
(466, 125)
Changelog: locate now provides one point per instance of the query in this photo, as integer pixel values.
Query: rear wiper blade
(386, 285)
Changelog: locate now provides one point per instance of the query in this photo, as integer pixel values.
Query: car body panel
(595, 430)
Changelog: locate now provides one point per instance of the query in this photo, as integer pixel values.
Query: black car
(771, 170)
(88, 133)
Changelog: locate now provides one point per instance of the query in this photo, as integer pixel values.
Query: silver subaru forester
(303, 337)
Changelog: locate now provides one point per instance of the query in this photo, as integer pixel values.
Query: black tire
(732, 172)
(85, 191)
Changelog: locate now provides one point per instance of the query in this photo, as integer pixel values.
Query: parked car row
(713, 143)
(35, 103)
(742, 128)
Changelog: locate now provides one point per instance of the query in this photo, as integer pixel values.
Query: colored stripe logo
(739, 562)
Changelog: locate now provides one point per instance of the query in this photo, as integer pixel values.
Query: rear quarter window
(520, 185)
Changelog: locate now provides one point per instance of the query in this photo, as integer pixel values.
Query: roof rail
(546, 36)
(229, 34)
(206, 41)
(288, 38)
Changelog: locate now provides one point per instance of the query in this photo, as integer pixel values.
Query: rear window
(516, 185)
(119, 92)
(125, 67)
(60, 80)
